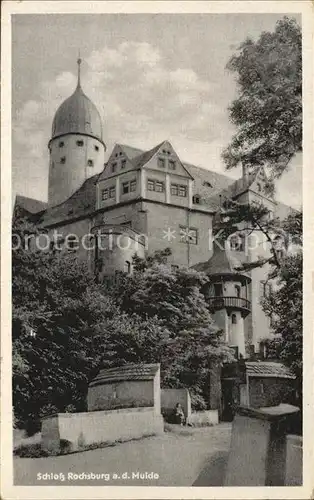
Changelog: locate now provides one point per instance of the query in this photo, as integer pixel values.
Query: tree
(268, 110)
(285, 305)
(174, 297)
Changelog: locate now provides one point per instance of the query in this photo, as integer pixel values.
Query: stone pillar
(190, 189)
(117, 189)
(143, 183)
(257, 454)
(168, 194)
(215, 387)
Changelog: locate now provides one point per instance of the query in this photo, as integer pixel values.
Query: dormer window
(113, 167)
(258, 187)
(61, 144)
(80, 143)
(62, 160)
(207, 184)
(161, 163)
(172, 165)
(90, 163)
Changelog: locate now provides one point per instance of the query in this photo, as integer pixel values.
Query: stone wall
(293, 473)
(170, 397)
(130, 393)
(204, 418)
(82, 429)
(268, 391)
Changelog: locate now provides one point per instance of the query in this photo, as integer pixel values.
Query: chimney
(245, 174)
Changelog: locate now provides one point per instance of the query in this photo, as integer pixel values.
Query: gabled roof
(268, 369)
(126, 372)
(143, 158)
(130, 152)
(29, 204)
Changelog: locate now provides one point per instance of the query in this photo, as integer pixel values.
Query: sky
(153, 77)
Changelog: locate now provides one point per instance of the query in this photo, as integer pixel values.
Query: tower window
(90, 163)
(96, 148)
(161, 163)
(113, 167)
(127, 267)
(238, 290)
(62, 160)
(123, 163)
(172, 165)
(233, 319)
(80, 143)
(61, 144)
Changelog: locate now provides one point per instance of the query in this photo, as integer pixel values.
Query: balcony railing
(229, 303)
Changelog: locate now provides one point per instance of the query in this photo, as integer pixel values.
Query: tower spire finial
(79, 62)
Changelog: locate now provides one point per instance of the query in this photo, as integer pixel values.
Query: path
(179, 459)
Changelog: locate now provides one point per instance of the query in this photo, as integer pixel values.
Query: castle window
(196, 199)
(174, 189)
(127, 267)
(188, 235)
(61, 144)
(62, 160)
(150, 185)
(178, 190)
(90, 163)
(105, 194)
(237, 243)
(233, 319)
(123, 163)
(157, 186)
(125, 187)
(80, 143)
(72, 243)
(161, 163)
(113, 167)
(96, 148)
(207, 184)
(265, 289)
(129, 186)
(172, 165)
(112, 192)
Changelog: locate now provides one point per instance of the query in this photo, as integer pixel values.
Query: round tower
(227, 295)
(76, 147)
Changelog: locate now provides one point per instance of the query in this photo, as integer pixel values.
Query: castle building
(143, 201)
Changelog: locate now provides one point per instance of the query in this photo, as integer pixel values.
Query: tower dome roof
(77, 114)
